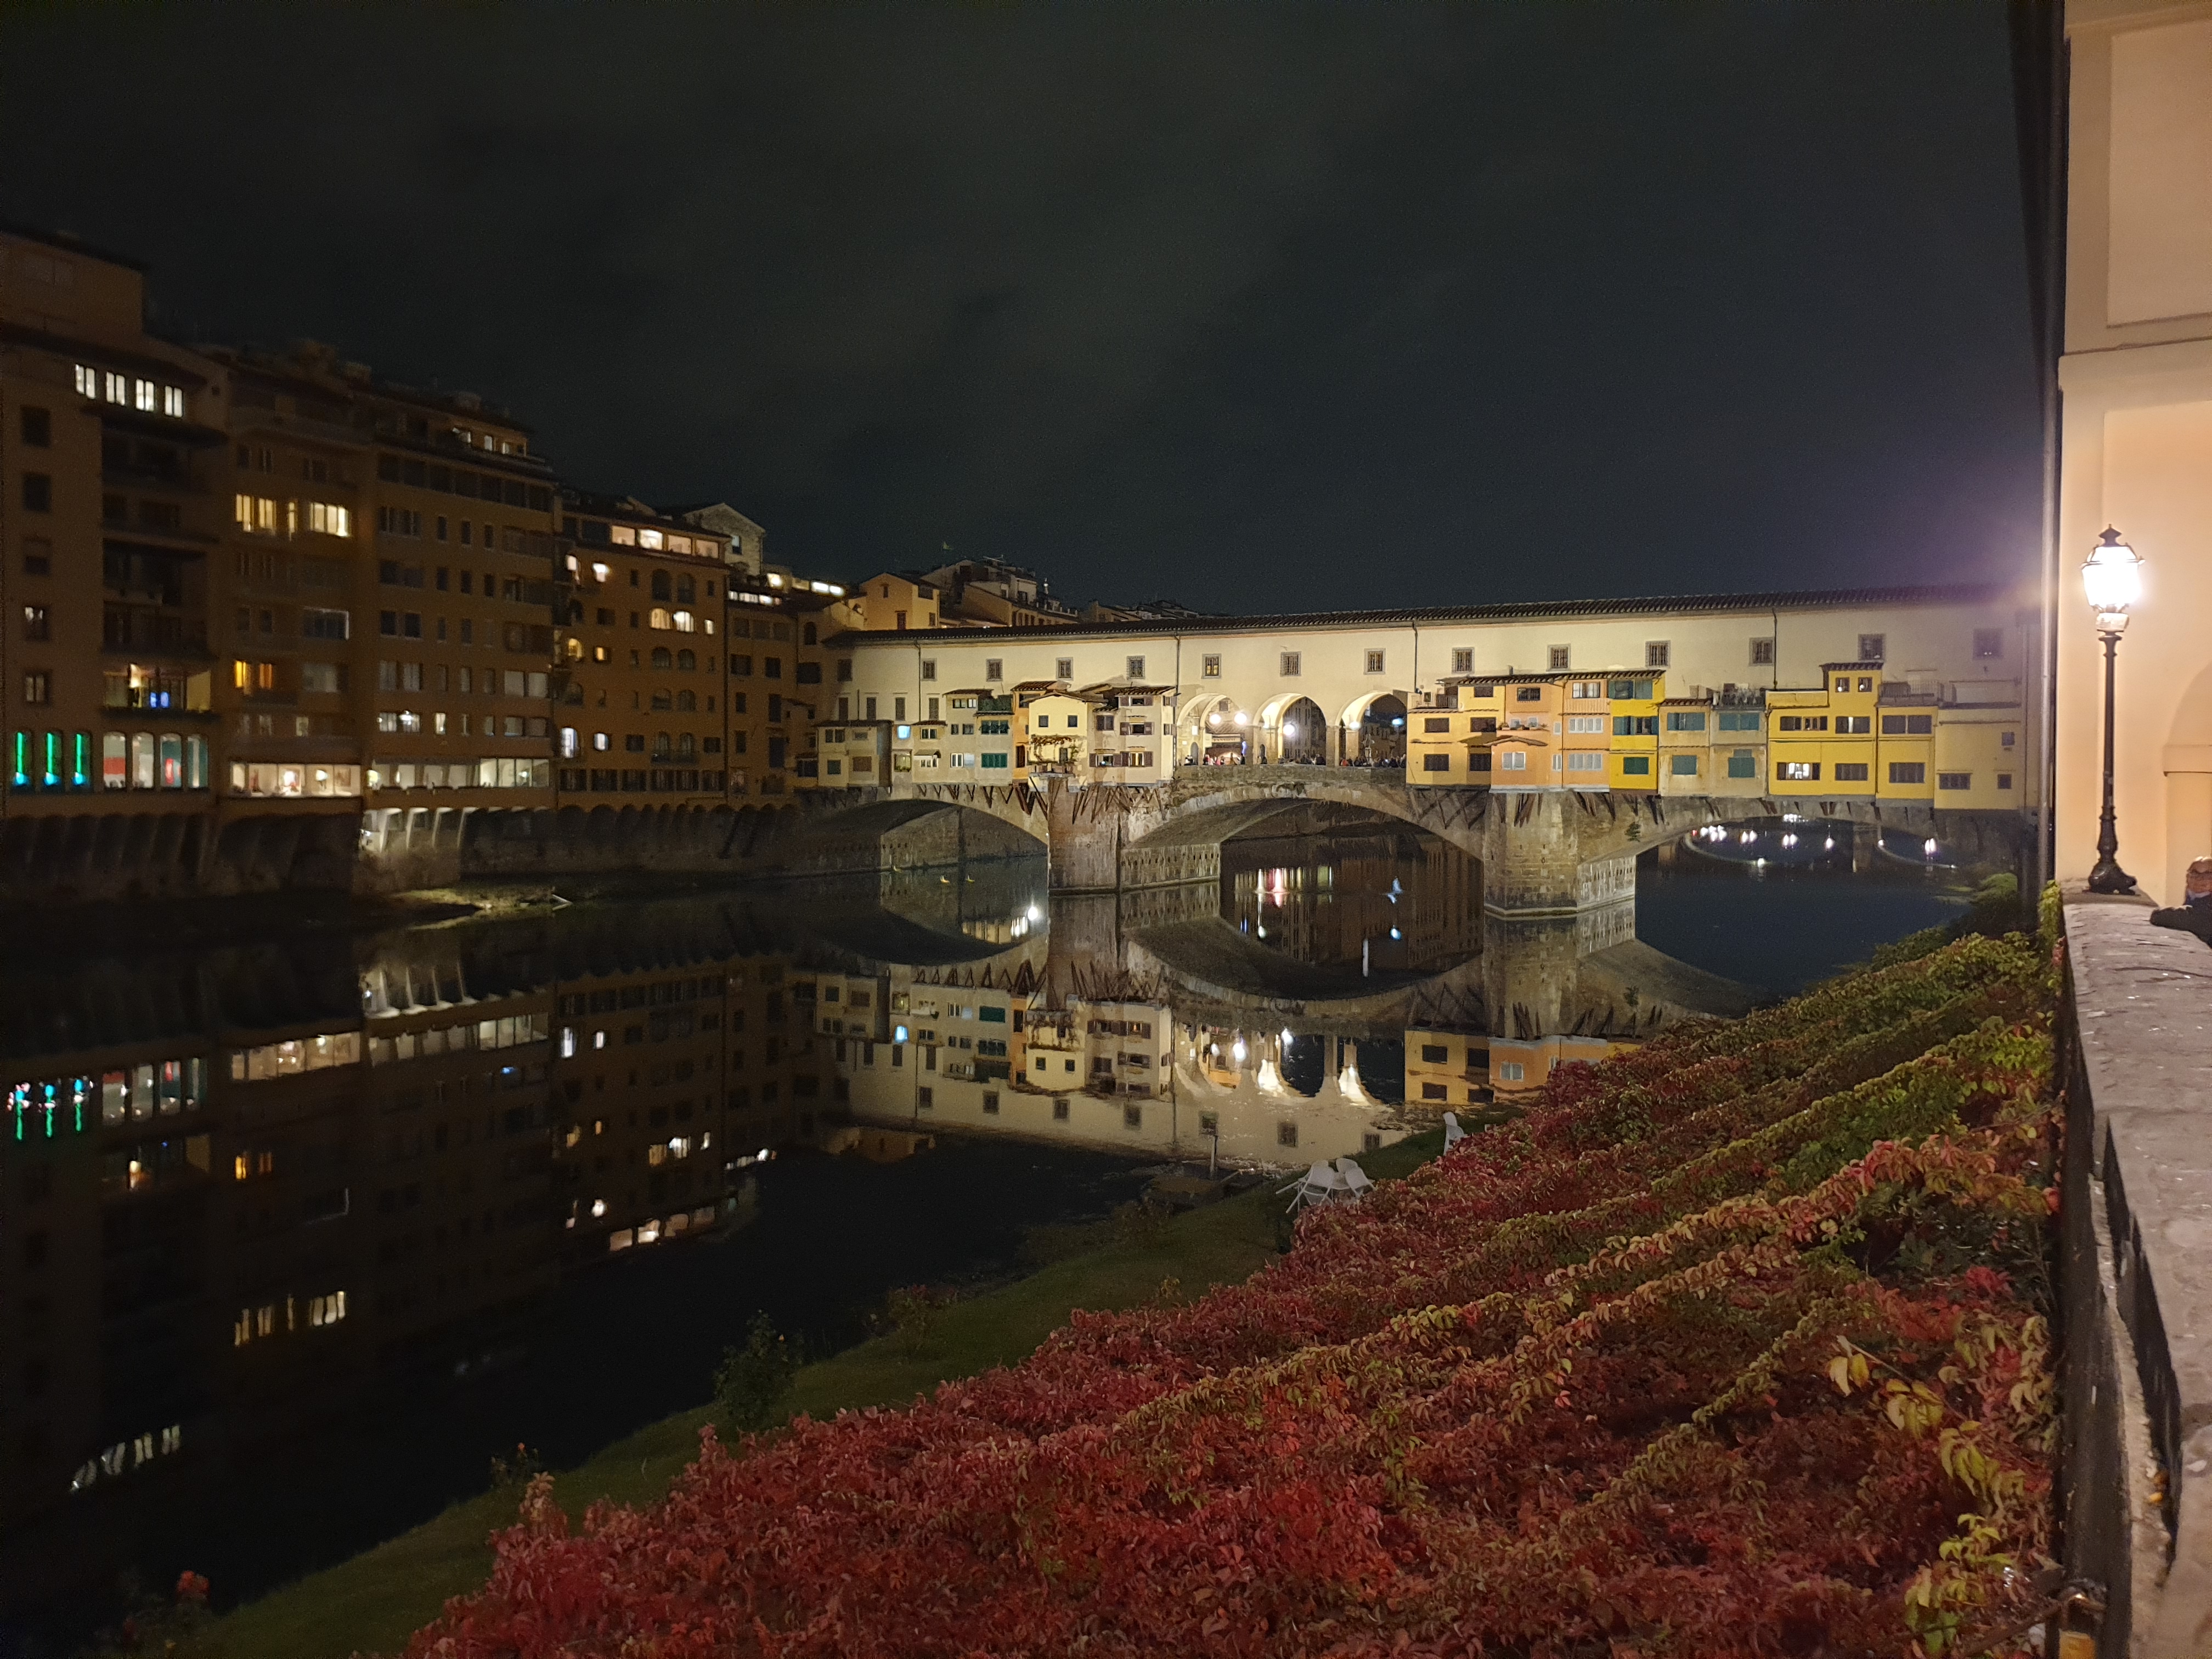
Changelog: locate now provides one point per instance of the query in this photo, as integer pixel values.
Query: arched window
(687, 702)
(810, 634)
(575, 649)
(685, 591)
(659, 618)
(173, 761)
(687, 747)
(685, 661)
(661, 657)
(660, 745)
(567, 743)
(686, 623)
(660, 584)
(662, 702)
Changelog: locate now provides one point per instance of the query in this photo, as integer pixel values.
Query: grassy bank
(375, 1601)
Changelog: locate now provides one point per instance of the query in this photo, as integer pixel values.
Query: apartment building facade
(112, 452)
(643, 708)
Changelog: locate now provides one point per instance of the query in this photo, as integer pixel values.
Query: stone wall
(2136, 1058)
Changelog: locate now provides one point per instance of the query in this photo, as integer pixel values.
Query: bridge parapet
(1542, 851)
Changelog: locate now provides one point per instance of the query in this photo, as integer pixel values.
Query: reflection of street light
(2111, 576)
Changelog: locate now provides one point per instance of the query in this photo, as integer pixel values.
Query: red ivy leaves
(1565, 1390)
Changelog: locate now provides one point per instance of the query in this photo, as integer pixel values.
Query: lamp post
(2111, 576)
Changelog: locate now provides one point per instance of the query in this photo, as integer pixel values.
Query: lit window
(685, 622)
(88, 381)
(115, 387)
(651, 538)
(143, 396)
(569, 742)
(600, 740)
(173, 402)
(659, 618)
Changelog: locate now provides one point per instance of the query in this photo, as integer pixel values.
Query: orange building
(643, 708)
(111, 458)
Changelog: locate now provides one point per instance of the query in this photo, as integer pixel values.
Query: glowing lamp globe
(2112, 577)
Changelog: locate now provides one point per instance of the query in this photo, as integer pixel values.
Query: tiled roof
(1827, 598)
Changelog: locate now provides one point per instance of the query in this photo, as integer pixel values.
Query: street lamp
(2111, 576)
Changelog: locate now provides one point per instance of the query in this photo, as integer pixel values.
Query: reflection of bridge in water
(1148, 1019)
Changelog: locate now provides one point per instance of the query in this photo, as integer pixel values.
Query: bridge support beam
(1536, 858)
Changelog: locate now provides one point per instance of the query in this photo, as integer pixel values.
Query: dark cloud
(1256, 306)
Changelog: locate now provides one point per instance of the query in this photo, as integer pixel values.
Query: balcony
(148, 688)
(152, 630)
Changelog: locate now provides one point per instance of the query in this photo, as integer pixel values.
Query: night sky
(1261, 308)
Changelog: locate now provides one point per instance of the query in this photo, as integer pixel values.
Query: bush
(752, 1384)
(910, 1312)
(1738, 1343)
(512, 1474)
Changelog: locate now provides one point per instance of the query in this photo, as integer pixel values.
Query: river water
(297, 1230)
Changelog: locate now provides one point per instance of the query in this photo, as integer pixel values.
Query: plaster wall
(2136, 381)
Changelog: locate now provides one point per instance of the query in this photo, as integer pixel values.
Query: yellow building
(1686, 752)
(1738, 762)
(1979, 761)
(1056, 738)
(1634, 707)
(1823, 742)
(1445, 1069)
(899, 603)
(1444, 730)
(1905, 722)
(853, 756)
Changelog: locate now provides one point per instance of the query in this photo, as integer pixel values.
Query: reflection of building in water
(1554, 992)
(641, 1160)
(1101, 1061)
(277, 1177)
(1451, 1068)
(1395, 901)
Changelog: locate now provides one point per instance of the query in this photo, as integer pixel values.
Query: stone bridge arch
(908, 826)
(1542, 851)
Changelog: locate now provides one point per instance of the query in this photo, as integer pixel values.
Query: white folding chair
(1357, 1182)
(1453, 1133)
(1317, 1186)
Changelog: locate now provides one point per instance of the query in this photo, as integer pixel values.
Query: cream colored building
(1226, 687)
(2136, 377)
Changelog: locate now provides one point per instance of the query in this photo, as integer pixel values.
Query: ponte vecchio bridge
(1313, 711)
